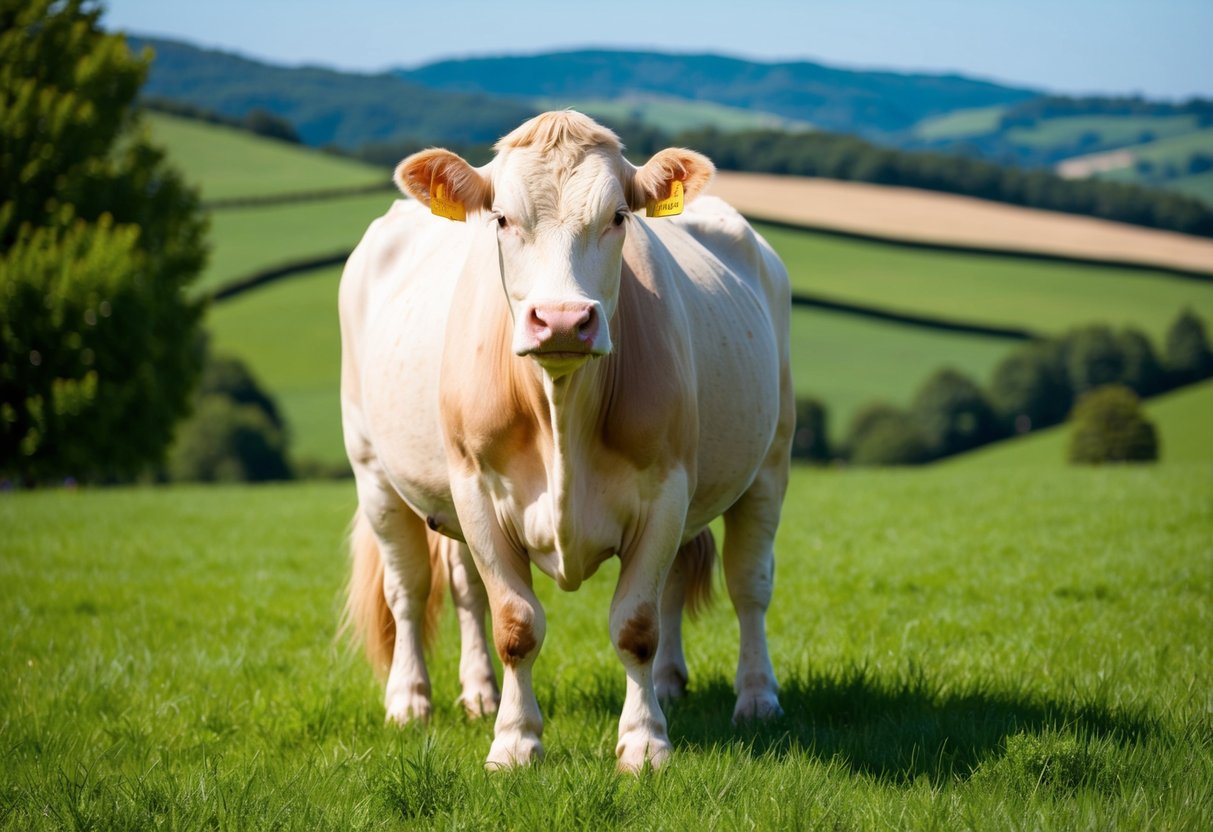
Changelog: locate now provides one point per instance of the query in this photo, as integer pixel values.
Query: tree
(98, 240)
(1140, 368)
(1110, 427)
(1187, 355)
(1093, 358)
(811, 442)
(953, 413)
(1029, 389)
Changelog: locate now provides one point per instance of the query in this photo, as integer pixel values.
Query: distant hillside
(326, 107)
(873, 104)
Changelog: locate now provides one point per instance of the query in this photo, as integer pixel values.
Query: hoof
(634, 750)
(510, 751)
(480, 702)
(670, 684)
(760, 705)
(405, 708)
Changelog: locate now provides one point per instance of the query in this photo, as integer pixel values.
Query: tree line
(1037, 385)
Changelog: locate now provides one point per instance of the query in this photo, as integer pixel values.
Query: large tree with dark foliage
(98, 239)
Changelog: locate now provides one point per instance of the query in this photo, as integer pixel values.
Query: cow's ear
(654, 182)
(444, 181)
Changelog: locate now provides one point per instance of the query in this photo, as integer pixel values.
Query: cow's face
(559, 197)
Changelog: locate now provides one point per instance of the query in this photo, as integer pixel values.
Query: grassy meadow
(226, 162)
(1047, 297)
(957, 651)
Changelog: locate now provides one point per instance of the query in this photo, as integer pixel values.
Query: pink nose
(563, 327)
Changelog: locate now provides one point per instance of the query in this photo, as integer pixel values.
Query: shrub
(235, 432)
(1187, 355)
(811, 440)
(953, 414)
(1029, 389)
(881, 434)
(225, 441)
(1110, 427)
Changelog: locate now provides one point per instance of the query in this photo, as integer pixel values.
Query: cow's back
(395, 299)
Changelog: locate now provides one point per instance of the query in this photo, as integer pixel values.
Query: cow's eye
(502, 222)
(620, 216)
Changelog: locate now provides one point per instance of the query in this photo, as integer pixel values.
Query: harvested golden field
(948, 219)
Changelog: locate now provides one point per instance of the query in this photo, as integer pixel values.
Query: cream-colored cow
(557, 381)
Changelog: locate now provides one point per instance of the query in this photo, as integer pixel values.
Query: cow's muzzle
(564, 330)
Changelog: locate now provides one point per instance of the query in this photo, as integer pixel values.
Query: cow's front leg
(636, 631)
(518, 630)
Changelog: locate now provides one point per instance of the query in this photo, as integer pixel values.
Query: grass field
(960, 123)
(289, 336)
(248, 239)
(957, 651)
(1042, 296)
(1113, 131)
(1182, 418)
(226, 162)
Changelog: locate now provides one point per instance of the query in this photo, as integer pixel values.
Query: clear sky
(1159, 48)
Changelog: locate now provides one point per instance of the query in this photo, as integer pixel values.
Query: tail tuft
(697, 558)
(367, 617)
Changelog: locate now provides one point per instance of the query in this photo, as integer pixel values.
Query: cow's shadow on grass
(897, 729)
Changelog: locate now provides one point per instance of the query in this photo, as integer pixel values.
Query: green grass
(1183, 419)
(225, 162)
(959, 124)
(248, 239)
(1041, 296)
(1113, 131)
(957, 651)
(288, 334)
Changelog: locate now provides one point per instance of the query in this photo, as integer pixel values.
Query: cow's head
(560, 197)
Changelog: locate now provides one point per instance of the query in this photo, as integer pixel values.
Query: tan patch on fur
(563, 128)
(649, 416)
(512, 632)
(639, 634)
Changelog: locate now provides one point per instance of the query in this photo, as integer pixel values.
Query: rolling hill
(869, 103)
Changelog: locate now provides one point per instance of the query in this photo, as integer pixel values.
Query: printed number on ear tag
(670, 206)
(441, 206)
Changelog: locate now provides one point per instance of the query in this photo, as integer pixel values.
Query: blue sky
(1160, 48)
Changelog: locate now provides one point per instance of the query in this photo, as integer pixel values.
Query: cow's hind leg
(479, 695)
(687, 586)
(401, 537)
(749, 565)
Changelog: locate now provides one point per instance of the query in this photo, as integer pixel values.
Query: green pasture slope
(1182, 418)
(1041, 296)
(227, 162)
(956, 651)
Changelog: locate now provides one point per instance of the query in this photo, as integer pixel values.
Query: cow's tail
(367, 617)
(697, 557)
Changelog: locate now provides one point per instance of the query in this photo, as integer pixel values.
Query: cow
(553, 379)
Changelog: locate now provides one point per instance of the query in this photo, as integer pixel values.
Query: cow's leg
(749, 565)
(476, 677)
(635, 628)
(406, 585)
(670, 668)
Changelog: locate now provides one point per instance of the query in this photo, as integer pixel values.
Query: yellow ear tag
(671, 206)
(440, 206)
